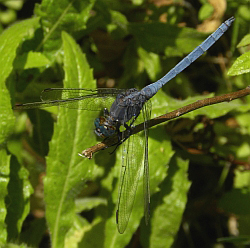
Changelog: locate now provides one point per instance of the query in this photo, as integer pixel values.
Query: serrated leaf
(10, 40)
(57, 16)
(241, 65)
(66, 171)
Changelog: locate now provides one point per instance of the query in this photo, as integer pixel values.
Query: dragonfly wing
(132, 161)
(85, 99)
(70, 93)
(134, 157)
(146, 113)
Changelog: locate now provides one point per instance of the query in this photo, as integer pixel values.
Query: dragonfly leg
(120, 138)
(128, 130)
(129, 127)
(119, 142)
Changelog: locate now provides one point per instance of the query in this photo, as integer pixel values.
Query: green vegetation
(199, 163)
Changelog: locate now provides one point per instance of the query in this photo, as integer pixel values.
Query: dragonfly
(122, 109)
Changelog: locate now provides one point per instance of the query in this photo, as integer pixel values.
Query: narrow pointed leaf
(66, 171)
(10, 40)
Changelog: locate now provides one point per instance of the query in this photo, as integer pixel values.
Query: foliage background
(198, 163)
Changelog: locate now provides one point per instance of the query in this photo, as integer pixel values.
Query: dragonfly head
(103, 129)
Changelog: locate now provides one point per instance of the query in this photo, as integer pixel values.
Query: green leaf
(10, 40)
(171, 40)
(58, 16)
(242, 179)
(89, 203)
(240, 195)
(137, 56)
(206, 11)
(31, 60)
(237, 202)
(151, 63)
(243, 11)
(137, 2)
(241, 65)
(8, 16)
(245, 41)
(4, 180)
(77, 231)
(33, 234)
(244, 122)
(118, 25)
(19, 191)
(167, 215)
(66, 171)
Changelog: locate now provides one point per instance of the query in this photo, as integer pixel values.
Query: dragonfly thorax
(127, 106)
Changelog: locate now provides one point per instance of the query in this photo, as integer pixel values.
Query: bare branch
(169, 116)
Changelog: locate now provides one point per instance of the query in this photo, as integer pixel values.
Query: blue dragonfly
(122, 109)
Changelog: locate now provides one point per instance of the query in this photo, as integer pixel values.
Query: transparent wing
(134, 157)
(85, 99)
(146, 112)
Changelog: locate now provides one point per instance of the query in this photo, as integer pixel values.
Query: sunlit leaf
(10, 40)
(31, 60)
(66, 171)
(241, 65)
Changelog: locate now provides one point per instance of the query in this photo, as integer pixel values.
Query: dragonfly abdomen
(152, 89)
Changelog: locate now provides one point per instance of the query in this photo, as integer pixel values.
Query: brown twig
(169, 116)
